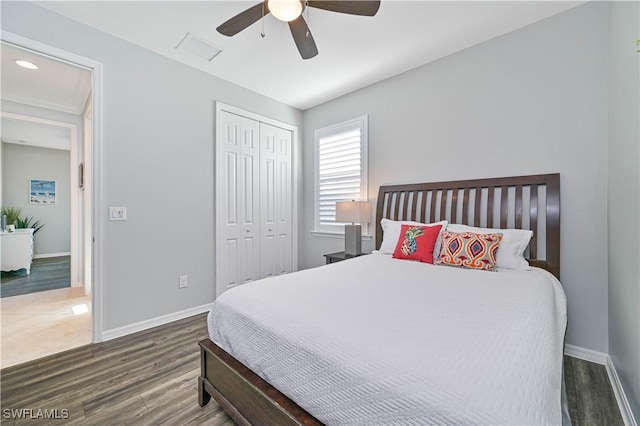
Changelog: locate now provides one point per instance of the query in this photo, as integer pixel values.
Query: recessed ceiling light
(26, 64)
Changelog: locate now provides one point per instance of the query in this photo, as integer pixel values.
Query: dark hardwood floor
(149, 378)
(146, 378)
(590, 395)
(46, 274)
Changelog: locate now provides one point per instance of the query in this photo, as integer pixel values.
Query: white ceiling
(354, 51)
(35, 134)
(54, 85)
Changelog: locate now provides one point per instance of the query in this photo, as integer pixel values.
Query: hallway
(40, 324)
(46, 274)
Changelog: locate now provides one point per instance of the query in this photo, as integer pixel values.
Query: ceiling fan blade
(303, 38)
(244, 19)
(356, 7)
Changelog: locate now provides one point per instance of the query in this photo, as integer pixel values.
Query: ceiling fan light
(285, 10)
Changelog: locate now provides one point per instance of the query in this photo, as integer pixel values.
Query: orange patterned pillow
(469, 250)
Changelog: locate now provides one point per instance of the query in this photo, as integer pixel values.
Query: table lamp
(354, 212)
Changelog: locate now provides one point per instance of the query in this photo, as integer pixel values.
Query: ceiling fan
(291, 11)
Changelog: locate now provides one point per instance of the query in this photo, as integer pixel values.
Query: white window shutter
(340, 170)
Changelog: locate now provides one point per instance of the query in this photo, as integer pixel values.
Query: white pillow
(391, 234)
(514, 242)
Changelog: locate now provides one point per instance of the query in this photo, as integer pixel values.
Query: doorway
(78, 303)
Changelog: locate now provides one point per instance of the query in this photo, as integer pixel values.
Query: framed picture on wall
(42, 191)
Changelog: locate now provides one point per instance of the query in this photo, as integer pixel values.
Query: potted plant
(12, 214)
(14, 217)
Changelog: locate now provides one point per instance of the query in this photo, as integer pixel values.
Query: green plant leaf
(27, 222)
(13, 214)
(14, 217)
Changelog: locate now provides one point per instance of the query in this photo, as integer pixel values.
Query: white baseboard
(45, 255)
(154, 322)
(586, 354)
(621, 397)
(604, 359)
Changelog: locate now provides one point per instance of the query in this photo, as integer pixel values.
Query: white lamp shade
(353, 211)
(285, 10)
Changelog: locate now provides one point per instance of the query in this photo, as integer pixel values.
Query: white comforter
(375, 340)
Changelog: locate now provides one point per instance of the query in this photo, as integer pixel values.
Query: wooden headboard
(506, 203)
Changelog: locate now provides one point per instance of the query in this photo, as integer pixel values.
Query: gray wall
(532, 101)
(55, 236)
(158, 162)
(624, 199)
(21, 163)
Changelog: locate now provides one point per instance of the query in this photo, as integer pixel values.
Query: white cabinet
(253, 200)
(17, 250)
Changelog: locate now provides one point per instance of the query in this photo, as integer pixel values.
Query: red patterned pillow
(469, 250)
(417, 242)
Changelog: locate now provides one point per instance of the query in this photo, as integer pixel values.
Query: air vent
(199, 47)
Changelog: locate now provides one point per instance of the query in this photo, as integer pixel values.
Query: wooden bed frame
(510, 202)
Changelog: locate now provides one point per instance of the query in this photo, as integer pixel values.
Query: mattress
(377, 340)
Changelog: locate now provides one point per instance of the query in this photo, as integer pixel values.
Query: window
(340, 171)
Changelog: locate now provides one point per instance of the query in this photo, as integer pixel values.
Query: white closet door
(239, 209)
(268, 200)
(275, 200)
(285, 202)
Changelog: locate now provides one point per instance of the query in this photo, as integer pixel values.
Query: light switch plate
(183, 281)
(117, 213)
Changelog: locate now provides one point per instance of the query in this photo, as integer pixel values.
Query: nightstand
(339, 256)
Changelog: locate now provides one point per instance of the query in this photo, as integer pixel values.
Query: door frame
(296, 178)
(96, 187)
(73, 180)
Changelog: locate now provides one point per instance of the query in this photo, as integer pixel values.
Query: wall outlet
(183, 281)
(117, 213)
